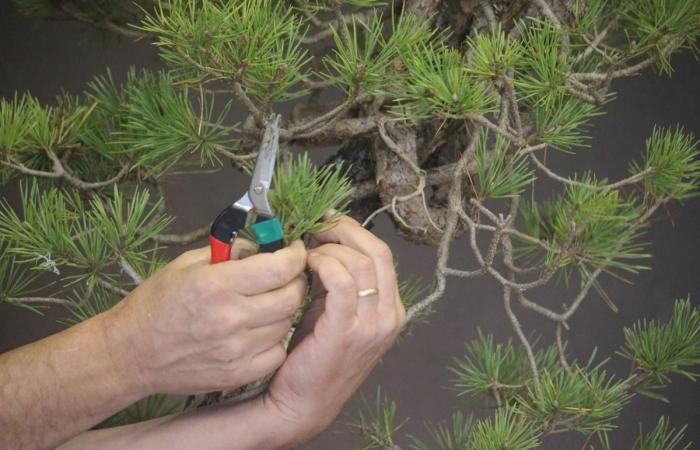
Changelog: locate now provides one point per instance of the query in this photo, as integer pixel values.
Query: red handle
(220, 251)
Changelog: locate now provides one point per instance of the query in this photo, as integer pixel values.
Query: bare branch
(636, 178)
(560, 348)
(130, 271)
(523, 340)
(673, 43)
(182, 239)
(41, 300)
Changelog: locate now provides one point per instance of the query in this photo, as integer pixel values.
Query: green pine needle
(376, 422)
(673, 157)
(506, 429)
(604, 230)
(585, 399)
(437, 85)
(17, 119)
(448, 436)
(160, 126)
(499, 174)
(661, 349)
(487, 366)
(494, 54)
(662, 437)
(254, 42)
(303, 193)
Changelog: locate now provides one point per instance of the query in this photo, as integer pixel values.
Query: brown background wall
(42, 58)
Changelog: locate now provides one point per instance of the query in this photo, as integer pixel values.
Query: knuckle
(344, 285)
(229, 354)
(277, 274)
(291, 301)
(232, 321)
(335, 278)
(383, 252)
(363, 267)
(294, 260)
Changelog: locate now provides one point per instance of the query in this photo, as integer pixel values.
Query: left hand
(343, 336)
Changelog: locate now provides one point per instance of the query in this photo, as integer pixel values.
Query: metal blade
(265, 167)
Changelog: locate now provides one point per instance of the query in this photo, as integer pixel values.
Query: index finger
(264, 272)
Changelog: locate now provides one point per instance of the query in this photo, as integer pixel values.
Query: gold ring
(368, 292)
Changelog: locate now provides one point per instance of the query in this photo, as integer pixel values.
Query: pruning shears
(269, 234)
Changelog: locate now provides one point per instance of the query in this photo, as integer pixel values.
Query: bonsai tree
(442, 116)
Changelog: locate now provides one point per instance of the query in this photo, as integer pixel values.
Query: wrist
(124, 344)
(293, 426)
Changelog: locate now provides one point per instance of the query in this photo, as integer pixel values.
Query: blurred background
(44, 58)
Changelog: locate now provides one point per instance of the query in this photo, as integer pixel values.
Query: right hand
(194, 327)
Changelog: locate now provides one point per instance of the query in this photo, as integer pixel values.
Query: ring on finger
(367, 292)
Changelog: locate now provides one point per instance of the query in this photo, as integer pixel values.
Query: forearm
(248, 426)
(59, 386)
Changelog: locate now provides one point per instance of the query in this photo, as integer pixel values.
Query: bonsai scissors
(267, 228)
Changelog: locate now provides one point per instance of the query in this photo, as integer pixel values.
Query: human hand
(342, 337)
(195, 327)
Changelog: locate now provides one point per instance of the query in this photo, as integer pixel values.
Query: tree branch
(41, 300)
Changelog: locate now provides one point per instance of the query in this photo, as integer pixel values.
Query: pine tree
(447, 110)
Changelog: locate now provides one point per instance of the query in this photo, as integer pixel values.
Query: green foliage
(17, 118)
(598, 226)
(253, 49)
(585, 399)
(360, 59)
(541, 71)
(59, 229)
(588, 16)
(560, 121)
(151, 407)
(411, 290)
(25, 125)
(663, 349)
(438, 85)
(15, 279)
(541, 81)
(160, 126)
(302, 193)
(673, 157)
(454, 436)
(652, 24)
(500, 175)
(376, 422)
(59, 126)
(127, 227)
(506, 429)
(494, 54)
(364, 60)
(661, 437)
(487, 366)
(254, 42)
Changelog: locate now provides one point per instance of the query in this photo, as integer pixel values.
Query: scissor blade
(265, 167)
